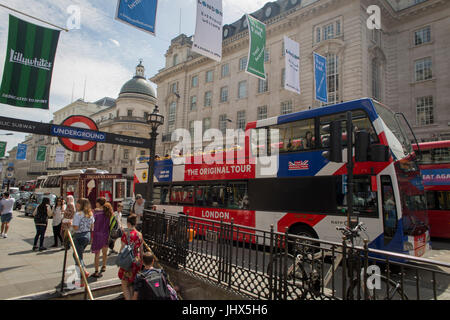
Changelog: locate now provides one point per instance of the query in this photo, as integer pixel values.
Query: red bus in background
(435, 169)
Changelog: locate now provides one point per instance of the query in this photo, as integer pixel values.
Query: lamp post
(155, 119)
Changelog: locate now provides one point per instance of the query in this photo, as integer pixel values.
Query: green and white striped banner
(29, 64)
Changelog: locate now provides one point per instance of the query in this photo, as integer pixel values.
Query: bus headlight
(408, 246)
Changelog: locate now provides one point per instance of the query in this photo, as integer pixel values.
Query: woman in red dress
(137, 243)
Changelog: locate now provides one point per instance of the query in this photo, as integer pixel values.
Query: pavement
(24, 272)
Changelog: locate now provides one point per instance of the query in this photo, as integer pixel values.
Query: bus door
(389, 209)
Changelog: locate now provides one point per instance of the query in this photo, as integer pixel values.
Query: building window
(129, 113)
(175, 60)
(194, 82)
(223, 123)
(225, 70)
(191, 129)
(174, 87)
(317, 35)
(241, 120)
(328, 31)
(209, 76)
(422, 36)
(338, 28)
(101, 155)
(208, 99)
(283, 49)
(262, 113)
(332, 78)
(126, 154)
(242, 89)
(283, 77)
(224, 94)
(286, 107)
(375, 79)
(424, 111)
(266, 55)
(263, 85)
(242, 63)
(423, 69)
(206, 124)
(171, 117)
(193, 103)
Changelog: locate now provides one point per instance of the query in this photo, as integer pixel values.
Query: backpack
(157, 286)
(114, 231)
(126, 257)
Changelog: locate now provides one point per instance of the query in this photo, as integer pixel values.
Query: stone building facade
(404, 65)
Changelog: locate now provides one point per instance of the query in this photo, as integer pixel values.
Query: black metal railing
(279, 266)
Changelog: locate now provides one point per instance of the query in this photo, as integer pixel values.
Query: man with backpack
(151, 283)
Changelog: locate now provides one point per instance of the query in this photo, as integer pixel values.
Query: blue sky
(104, 51)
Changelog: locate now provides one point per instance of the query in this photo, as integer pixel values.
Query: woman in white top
(118, 215)
(58, 211)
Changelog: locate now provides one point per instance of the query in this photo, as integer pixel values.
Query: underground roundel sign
(82, 126)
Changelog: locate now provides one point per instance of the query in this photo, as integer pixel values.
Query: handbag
(115, 232)
(126, 258)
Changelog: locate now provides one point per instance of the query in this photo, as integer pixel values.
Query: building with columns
(404, 65)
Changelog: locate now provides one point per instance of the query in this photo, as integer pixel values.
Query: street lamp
(155, 119)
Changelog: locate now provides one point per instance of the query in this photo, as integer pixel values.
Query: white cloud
(235, 9)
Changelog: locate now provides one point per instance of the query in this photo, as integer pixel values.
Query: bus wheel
(301, 245)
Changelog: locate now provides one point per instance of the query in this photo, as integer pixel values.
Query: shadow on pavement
(10, 268)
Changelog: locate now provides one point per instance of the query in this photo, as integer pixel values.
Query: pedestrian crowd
(99, 227)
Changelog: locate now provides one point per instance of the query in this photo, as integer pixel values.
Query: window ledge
(421, 45)
(262, 93)
(422, 81)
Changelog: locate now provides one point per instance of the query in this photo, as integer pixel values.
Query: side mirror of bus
(362, 143)
(333, 141)
(379, 153)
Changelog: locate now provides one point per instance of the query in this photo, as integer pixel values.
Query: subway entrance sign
(76, 133)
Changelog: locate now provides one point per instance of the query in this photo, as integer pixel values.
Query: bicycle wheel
(389, 290)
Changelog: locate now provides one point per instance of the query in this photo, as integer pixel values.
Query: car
(36, 199)
(127, 203)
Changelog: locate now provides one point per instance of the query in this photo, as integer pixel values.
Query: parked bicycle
(307, 269)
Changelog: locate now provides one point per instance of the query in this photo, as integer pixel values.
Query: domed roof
(138, 85)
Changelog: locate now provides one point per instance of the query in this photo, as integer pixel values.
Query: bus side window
(390, 217)
(237, 194)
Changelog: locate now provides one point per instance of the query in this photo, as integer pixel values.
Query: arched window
(175, 59)
(376, 79)
(333, 78)
(172, 117)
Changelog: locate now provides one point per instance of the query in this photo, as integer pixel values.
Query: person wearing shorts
(6, 206)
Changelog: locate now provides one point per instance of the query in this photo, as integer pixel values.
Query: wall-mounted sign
(81, 127)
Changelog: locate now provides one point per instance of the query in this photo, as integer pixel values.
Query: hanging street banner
(29, 63)
(140, 14)
(21, 151)
(41, 153)
(208, 29)
(2, 149)
(292, 73)
(320, 76)
(60, 155)
(257, 46)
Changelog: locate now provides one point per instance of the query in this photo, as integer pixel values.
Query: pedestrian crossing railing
(270, 265)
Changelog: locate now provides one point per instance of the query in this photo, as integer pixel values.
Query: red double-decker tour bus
(435, 169)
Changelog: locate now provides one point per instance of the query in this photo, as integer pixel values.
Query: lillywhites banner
(208, 29)
(60, 154)
(29, 63)
(257, 35)
(140, 14)
(2, 149)
(21, 152)
(41, 153)
(292, 57)
(320, 76)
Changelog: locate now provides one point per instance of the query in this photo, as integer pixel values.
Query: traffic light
(362, 143)
(333, 141)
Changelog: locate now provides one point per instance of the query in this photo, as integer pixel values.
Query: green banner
(28, 65)
(2, 149)
(257, 35)
(40, 155)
